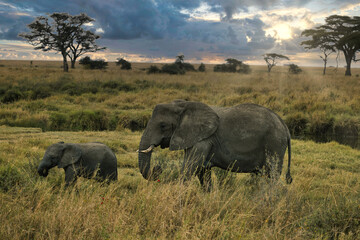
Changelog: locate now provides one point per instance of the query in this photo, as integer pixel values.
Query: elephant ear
(72, 153)
(197, 122)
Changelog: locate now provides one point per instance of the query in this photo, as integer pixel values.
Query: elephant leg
(70, 175)
(204, 175)
(195, 160)
(273, 166)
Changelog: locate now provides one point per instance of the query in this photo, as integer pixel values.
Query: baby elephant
(81, 159)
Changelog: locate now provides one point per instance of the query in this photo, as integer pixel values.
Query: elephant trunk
(43, 170)
(145, 150)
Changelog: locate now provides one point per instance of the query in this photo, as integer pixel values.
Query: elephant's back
(247, 125)
(99, 151)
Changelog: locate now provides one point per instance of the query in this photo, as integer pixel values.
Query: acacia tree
(271, 58)
(340, 33)
(62, 33)
(83, 40)
(320, 39)
(180, 59)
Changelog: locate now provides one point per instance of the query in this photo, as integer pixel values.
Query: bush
(38, 106)
(172, 69)
(224, 68)
(40, 92)
(88, 120)
(187, 66)
(144, 84)
(58, 121)
(321, 124)
(153, 69)
(134, 122)
(85, 60)
(33, 121)
(71, 88)
(244, 68)
(124, 64)
(297, 123)
(233, 65)
(93, 64)
(12, 95)
(294, 69)
(202, 68)
(119, 85)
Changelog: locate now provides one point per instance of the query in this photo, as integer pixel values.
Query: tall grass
(46, 97)
(322, 202)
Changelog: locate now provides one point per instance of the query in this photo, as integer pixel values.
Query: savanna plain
(42, 105)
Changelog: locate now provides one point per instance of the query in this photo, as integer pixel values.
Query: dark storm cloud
(230, 7)
(159, 27)
(130, 19)
(11, 24)
(136, 19)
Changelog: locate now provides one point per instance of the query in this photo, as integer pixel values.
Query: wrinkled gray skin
(244, 138)
(82, 159)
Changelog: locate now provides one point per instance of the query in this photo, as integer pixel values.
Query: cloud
(163, 28)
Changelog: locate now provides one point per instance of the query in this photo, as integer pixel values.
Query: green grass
(46, 98)
(83, 106)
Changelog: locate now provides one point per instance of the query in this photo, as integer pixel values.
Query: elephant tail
(288, 175)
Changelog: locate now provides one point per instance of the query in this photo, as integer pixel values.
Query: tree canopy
(63, 33)
(339, 33)
(271, 58)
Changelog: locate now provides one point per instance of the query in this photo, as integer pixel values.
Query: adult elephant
(80, 159)
(245, 138)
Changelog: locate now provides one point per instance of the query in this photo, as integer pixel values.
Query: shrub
(124, 64)
(224, 68)
(37, 106)
(71, 88)
(134, 122)
(233, 65)
(40, 92)
(88, 120)
(12, 95)
(119, 85)
(111, 84)
(244, 68)
(187, 67)
(153, 69)
(172, 69)
(144, 84)
(33, 121)
(85, 60)
(202, 68)
(297, 123)
(321, 124)
(58, 121)
(93, 64)
(294, 69)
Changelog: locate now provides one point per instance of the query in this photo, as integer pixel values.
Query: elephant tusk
(147, 150)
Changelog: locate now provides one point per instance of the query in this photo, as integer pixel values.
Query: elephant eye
(163, 126)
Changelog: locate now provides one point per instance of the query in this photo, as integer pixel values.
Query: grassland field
(41, 105)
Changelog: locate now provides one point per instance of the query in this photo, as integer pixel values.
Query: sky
(207, 31)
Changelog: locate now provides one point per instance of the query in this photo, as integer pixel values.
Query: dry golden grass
(323, 201)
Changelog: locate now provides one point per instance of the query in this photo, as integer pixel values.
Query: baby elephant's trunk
(42, 170)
